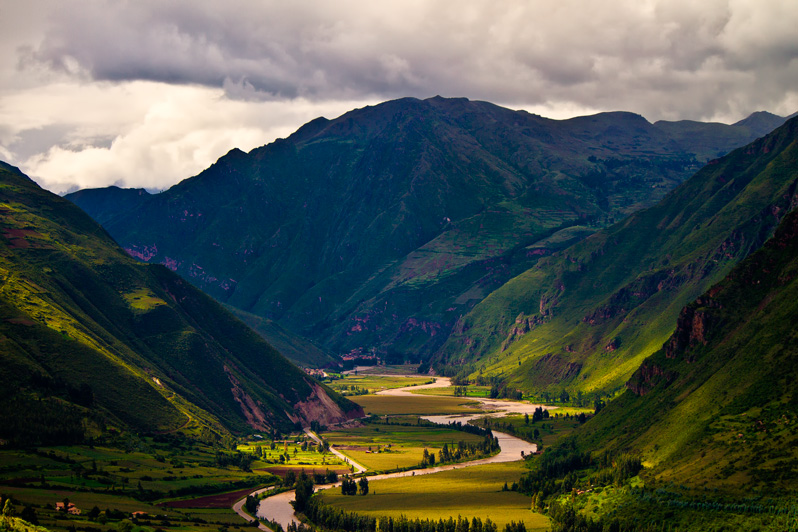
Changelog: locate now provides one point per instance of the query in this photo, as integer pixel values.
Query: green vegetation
(365, 384)
(93, 341)
(468, 492)
(387, 224)
(397, 444)
(297, 349)
(178, 482)
(381, 405)
(585, 318)
(712, 416)
(293, 455)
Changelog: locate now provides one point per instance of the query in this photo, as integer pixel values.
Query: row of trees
(462, 451)
(333, 518)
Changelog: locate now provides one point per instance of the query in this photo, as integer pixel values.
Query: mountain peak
(761, 122)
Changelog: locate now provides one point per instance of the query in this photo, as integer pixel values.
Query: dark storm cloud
(594, 54)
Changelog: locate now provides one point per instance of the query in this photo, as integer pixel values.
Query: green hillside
(91, 339)
(379, 229)
(717, 405)
(586, 318)
(705, 437)
(297, 349)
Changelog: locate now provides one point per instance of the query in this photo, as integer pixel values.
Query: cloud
(590, 53)
(87, 82)
(142, 134)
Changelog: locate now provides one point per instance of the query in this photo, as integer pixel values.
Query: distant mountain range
(380, 230)
(93, 340)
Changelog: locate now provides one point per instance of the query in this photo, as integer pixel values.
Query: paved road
(278, 508)
(358, 467)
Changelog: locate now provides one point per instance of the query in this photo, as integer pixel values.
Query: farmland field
(471, 391)
(382, 447)
(374, 383)
(469, 492)
(423, 405)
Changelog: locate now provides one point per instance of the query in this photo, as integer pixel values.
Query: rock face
(381, 228)
(320, 407)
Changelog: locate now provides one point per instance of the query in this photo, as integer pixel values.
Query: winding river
(278, 508)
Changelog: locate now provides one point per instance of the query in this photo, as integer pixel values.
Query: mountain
(585, 319)
(92, 339)
(717, 404)
(378, 230)
(295, 348)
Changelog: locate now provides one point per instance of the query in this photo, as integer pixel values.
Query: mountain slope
(379, 229)
(587, 317)
(718, 402)
(96, 335)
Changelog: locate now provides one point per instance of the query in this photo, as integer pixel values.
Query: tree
(29, 515)
(8, 508)
(364, 486)
(348, 486)
(304, 491)
(125, 525)
(290, 478)
(598, 405)
(526, 419)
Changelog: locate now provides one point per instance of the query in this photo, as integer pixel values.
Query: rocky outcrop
(320, 407)
(647, 377)
(692, 328)
(523, 324)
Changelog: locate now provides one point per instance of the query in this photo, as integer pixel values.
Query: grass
(394, 446)
(109, 477)
(143, 300)
(375, 383)
(471, 391)
(297, 457)
(397, 369)
(423, 405)
(469, 492)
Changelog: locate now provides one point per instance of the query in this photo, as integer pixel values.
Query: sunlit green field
(394, 446)
(310, 457)
(471, 391)
(375, 383)
(424, 405)
(469, 492)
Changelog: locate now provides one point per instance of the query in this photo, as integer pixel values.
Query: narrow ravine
(278, 508)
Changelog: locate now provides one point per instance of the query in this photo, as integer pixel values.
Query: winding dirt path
(278, 508)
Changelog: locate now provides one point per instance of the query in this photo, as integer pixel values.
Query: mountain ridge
(377, 230)
(599, 306)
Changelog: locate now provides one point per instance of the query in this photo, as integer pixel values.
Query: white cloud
(156, 134)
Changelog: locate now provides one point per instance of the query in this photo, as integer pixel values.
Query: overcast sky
(144, 93)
